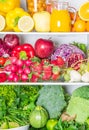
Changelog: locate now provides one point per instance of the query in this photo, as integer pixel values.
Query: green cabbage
(79, 104)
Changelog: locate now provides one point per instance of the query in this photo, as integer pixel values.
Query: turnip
(75, 76)
(85, 77)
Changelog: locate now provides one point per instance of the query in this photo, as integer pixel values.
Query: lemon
(26, 24)
(84, 11)
(2, 23)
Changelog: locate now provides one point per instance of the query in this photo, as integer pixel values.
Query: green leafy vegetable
(16, 103)
(71, 125)
(79, 104)
(52, 99)
(81, 46)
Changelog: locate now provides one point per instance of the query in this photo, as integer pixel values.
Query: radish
(15, 78)
(27, 62)
(13, 60)
(14, 68)
(11, 76)
(19, 63)
(24, 77)
(20, 70)
(27, 70)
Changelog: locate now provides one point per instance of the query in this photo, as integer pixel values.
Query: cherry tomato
(2, 61)
(60, 61)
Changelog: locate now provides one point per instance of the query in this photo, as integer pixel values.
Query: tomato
(2, 61)
(51, 123)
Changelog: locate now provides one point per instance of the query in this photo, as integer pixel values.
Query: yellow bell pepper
(7, 5)
(13, 17)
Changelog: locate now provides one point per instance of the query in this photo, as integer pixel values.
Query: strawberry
(55, 76)
(45, 62)
(55, 72)
(34, 78)
(36, 67)
(55, 69)
(47, 72)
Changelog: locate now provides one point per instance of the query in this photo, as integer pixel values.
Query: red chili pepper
(3, 77)
(23, 51)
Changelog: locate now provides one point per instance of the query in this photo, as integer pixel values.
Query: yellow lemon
(26, 24)
(2, 23)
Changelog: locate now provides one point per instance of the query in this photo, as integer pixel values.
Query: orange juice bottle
(60, 17)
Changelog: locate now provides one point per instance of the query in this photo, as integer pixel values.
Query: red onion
(11, 40)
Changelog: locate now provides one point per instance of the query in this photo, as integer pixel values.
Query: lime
(51, 123)
(26, 24)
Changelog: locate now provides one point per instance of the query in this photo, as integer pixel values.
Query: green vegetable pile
(16, 103)
(45, 107)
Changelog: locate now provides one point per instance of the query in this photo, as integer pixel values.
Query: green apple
(42, 21)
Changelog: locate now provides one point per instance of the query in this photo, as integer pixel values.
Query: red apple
(44, 48)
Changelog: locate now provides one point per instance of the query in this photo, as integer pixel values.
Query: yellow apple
(42, 21)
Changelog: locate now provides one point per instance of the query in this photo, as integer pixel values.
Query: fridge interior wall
(58, 38)
(73, 3)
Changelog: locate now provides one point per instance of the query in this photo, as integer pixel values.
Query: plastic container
(36, 6)
(19, 128)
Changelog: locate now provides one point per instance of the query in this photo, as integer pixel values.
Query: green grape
(66, 77)
(88, 66)
(68, 70)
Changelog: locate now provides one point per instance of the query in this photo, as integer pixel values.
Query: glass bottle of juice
(60, 17)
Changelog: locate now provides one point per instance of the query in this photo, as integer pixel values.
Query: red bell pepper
(23, 51)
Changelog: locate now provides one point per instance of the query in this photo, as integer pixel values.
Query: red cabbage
(65, 51)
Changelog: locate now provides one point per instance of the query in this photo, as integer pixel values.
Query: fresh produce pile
(42, 62)
(34, 106)
(39, 17)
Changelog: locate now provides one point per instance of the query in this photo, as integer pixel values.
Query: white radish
(85, 77)
(75, 76)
